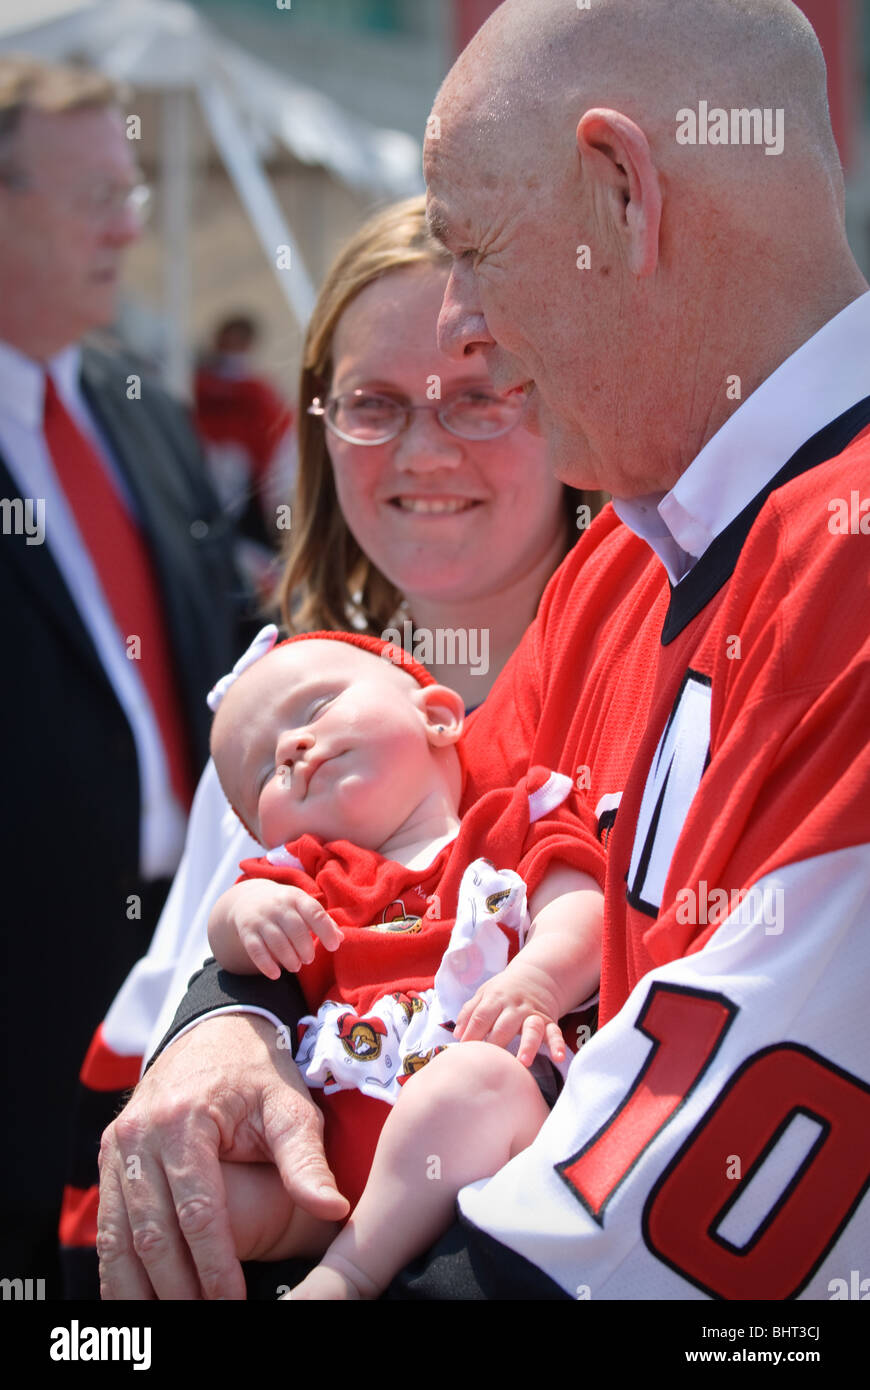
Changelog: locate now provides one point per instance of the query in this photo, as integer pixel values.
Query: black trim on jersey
(606, 822)
(742, 1187)
(632, 892)
(717, 564)
(468, 1265)
(656, 987)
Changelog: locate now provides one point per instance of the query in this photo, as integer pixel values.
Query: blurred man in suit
(120, 607)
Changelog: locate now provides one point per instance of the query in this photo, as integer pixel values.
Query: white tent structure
(166, 47)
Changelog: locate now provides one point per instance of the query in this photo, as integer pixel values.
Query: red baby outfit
(417, 944)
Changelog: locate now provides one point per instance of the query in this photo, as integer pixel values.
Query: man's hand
(223, 1091)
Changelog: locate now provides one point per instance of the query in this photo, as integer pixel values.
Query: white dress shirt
(24, 450)
(823, 378)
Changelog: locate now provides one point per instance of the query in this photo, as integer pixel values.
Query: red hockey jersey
(714, 1136)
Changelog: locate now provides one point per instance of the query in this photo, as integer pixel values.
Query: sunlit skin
(320, 737)
(60, 257)
(556, 130)
(325, 739)
(486, 565)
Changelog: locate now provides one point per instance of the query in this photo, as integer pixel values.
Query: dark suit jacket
(70, 801)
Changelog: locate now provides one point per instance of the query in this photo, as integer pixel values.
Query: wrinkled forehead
(475, 157)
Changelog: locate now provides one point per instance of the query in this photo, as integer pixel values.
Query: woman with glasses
(423, 502)
(425, 509)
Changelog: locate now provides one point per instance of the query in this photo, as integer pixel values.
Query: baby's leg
(461, 1118)
(265, 1222)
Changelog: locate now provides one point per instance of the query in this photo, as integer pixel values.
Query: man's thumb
(298, 1155)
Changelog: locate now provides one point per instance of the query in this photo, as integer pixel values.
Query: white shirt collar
(817, 383)
(22, 383)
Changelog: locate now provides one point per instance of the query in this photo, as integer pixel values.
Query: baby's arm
(266, 926)
(555, 971)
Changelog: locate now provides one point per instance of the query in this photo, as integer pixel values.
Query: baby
(340, 752)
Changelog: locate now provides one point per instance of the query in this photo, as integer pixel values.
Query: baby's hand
(516, 1001)
(274, 924)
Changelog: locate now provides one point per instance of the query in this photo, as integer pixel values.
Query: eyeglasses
(100, 201)
(364, 417)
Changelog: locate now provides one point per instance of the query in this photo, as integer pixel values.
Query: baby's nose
(291, 745)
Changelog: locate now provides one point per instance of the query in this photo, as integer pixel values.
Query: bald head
(578, 140)
(647, 58)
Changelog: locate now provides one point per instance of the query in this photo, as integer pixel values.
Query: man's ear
(444, 713)
(616, 152)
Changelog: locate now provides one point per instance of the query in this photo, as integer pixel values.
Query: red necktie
(126, 574)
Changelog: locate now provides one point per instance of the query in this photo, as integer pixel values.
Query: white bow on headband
(262, 643)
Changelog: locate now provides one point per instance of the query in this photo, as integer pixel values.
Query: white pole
(176, 173)
(262, 206)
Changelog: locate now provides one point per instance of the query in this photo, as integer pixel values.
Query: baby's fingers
(534, 1031)
(284, 949)
(319, 922)
(261, 956)
(475, 1019)
(538, 1030)
(505, 1028)
(555, 1040)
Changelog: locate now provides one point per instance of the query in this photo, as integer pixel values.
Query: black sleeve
(213, 988)
(467, 1265)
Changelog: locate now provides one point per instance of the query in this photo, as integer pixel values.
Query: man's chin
(572, 463)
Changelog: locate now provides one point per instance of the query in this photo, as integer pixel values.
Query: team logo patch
(496, 900)
(415, 1061)
(405, 923)
(361, 1037)
(410, 1003)
(671, 784)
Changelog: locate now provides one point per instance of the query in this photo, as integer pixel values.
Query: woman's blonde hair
(328, 582)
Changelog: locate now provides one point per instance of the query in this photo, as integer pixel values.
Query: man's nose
(291, 745)
(124, 226)
(462, 327)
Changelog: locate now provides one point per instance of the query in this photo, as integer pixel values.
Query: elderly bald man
(693, 335)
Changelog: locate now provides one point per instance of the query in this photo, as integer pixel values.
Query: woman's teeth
(434, 504)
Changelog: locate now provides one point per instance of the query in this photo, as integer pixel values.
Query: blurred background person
(247, 432)
(120, 607)
(453, 522)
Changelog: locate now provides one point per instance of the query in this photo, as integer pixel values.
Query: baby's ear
(444, 712)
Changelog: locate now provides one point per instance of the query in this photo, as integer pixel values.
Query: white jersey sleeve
(713, 1139)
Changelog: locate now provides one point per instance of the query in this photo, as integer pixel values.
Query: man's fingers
(294, 1134)
(155, 1245)
(122, 1275)
(203, 1220)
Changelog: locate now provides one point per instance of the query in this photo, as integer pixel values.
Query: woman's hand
(225, 1090)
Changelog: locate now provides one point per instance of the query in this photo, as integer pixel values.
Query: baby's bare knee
(474, 1071)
